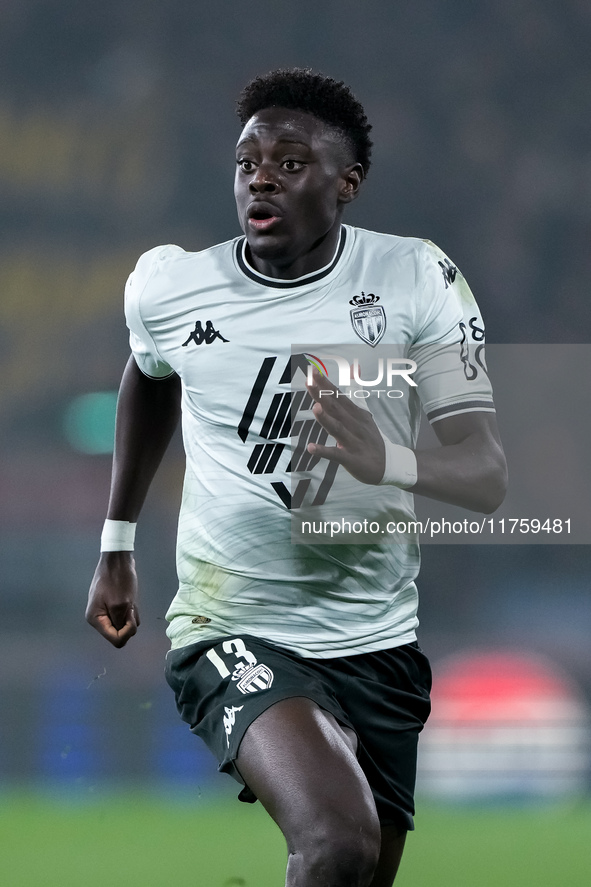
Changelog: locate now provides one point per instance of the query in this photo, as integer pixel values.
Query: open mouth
(261, 219)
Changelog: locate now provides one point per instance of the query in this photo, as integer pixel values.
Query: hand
(112, 608)
(360, 447)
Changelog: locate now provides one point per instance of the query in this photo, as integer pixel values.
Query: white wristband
(401, 466)
(118, 535)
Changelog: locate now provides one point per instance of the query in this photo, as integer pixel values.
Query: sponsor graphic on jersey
(205, 336)
(477, 331)
(250, 680)
(229, 720)
(470, 371)
(288, 415)
(368, 318)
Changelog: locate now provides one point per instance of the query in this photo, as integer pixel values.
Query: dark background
(117, 129)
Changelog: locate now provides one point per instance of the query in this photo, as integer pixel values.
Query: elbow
(495, 488)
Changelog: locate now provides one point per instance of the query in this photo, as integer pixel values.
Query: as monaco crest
(257, 677)
(368, 318)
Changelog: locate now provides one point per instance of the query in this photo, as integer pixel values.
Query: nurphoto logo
(387, 370)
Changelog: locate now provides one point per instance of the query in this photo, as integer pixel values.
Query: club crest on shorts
(257, 677)
(368, 318)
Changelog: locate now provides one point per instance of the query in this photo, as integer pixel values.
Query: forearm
(148, 411)
(468, 469)
(471, 474)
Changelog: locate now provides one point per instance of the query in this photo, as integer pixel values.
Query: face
(293, 179)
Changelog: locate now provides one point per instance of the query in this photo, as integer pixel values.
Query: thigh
(392, 846)
(300, 764)
(222, 689)
(385, 696)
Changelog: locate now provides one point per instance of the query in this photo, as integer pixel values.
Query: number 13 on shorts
(236, 646)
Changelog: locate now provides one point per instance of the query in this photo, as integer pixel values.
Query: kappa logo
(368, 318)
(250, 680)
(449, 271)
(230, 719)
(205, 336)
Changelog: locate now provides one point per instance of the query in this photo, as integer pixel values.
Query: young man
(297, 664)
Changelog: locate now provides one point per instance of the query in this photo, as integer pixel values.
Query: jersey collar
(287, 284)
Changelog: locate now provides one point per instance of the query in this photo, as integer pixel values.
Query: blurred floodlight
(504, 727)
(89, 422)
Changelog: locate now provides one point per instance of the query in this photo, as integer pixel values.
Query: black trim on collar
(287, 284)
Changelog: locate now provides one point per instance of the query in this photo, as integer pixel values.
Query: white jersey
(228, 332)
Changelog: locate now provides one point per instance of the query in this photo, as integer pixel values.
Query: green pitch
(137, 840)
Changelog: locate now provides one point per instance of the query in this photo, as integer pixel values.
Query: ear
(351, 182)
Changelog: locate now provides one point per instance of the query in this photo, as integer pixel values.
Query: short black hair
(301, 89)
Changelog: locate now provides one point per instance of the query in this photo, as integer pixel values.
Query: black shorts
(221, 688)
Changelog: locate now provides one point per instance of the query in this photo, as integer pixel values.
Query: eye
(245, 165)
(293, 165)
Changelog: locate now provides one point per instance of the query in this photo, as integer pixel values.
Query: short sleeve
(448, 348)
(142, 345)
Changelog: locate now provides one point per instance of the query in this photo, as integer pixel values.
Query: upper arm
(171, 381)
(448, 348)
(469, 469)
(143, 397)
(482, 455)
(142, 286)
(455, 391)
(456, 429)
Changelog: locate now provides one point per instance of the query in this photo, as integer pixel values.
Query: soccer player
(298, 663)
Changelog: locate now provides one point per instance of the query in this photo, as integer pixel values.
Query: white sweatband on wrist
(118, 535)
(401, 466)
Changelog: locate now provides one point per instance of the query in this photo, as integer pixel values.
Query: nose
(263, 181)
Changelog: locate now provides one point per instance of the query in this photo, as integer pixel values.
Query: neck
(317, 256)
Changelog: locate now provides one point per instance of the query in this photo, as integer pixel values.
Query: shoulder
(165, 271)
(412, 252)
(170, 258)
(422, 278)
(381, 242)
(417, 248)
(434, 256)
(150, 262)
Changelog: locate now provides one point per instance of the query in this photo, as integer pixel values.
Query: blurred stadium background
(116, 134)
